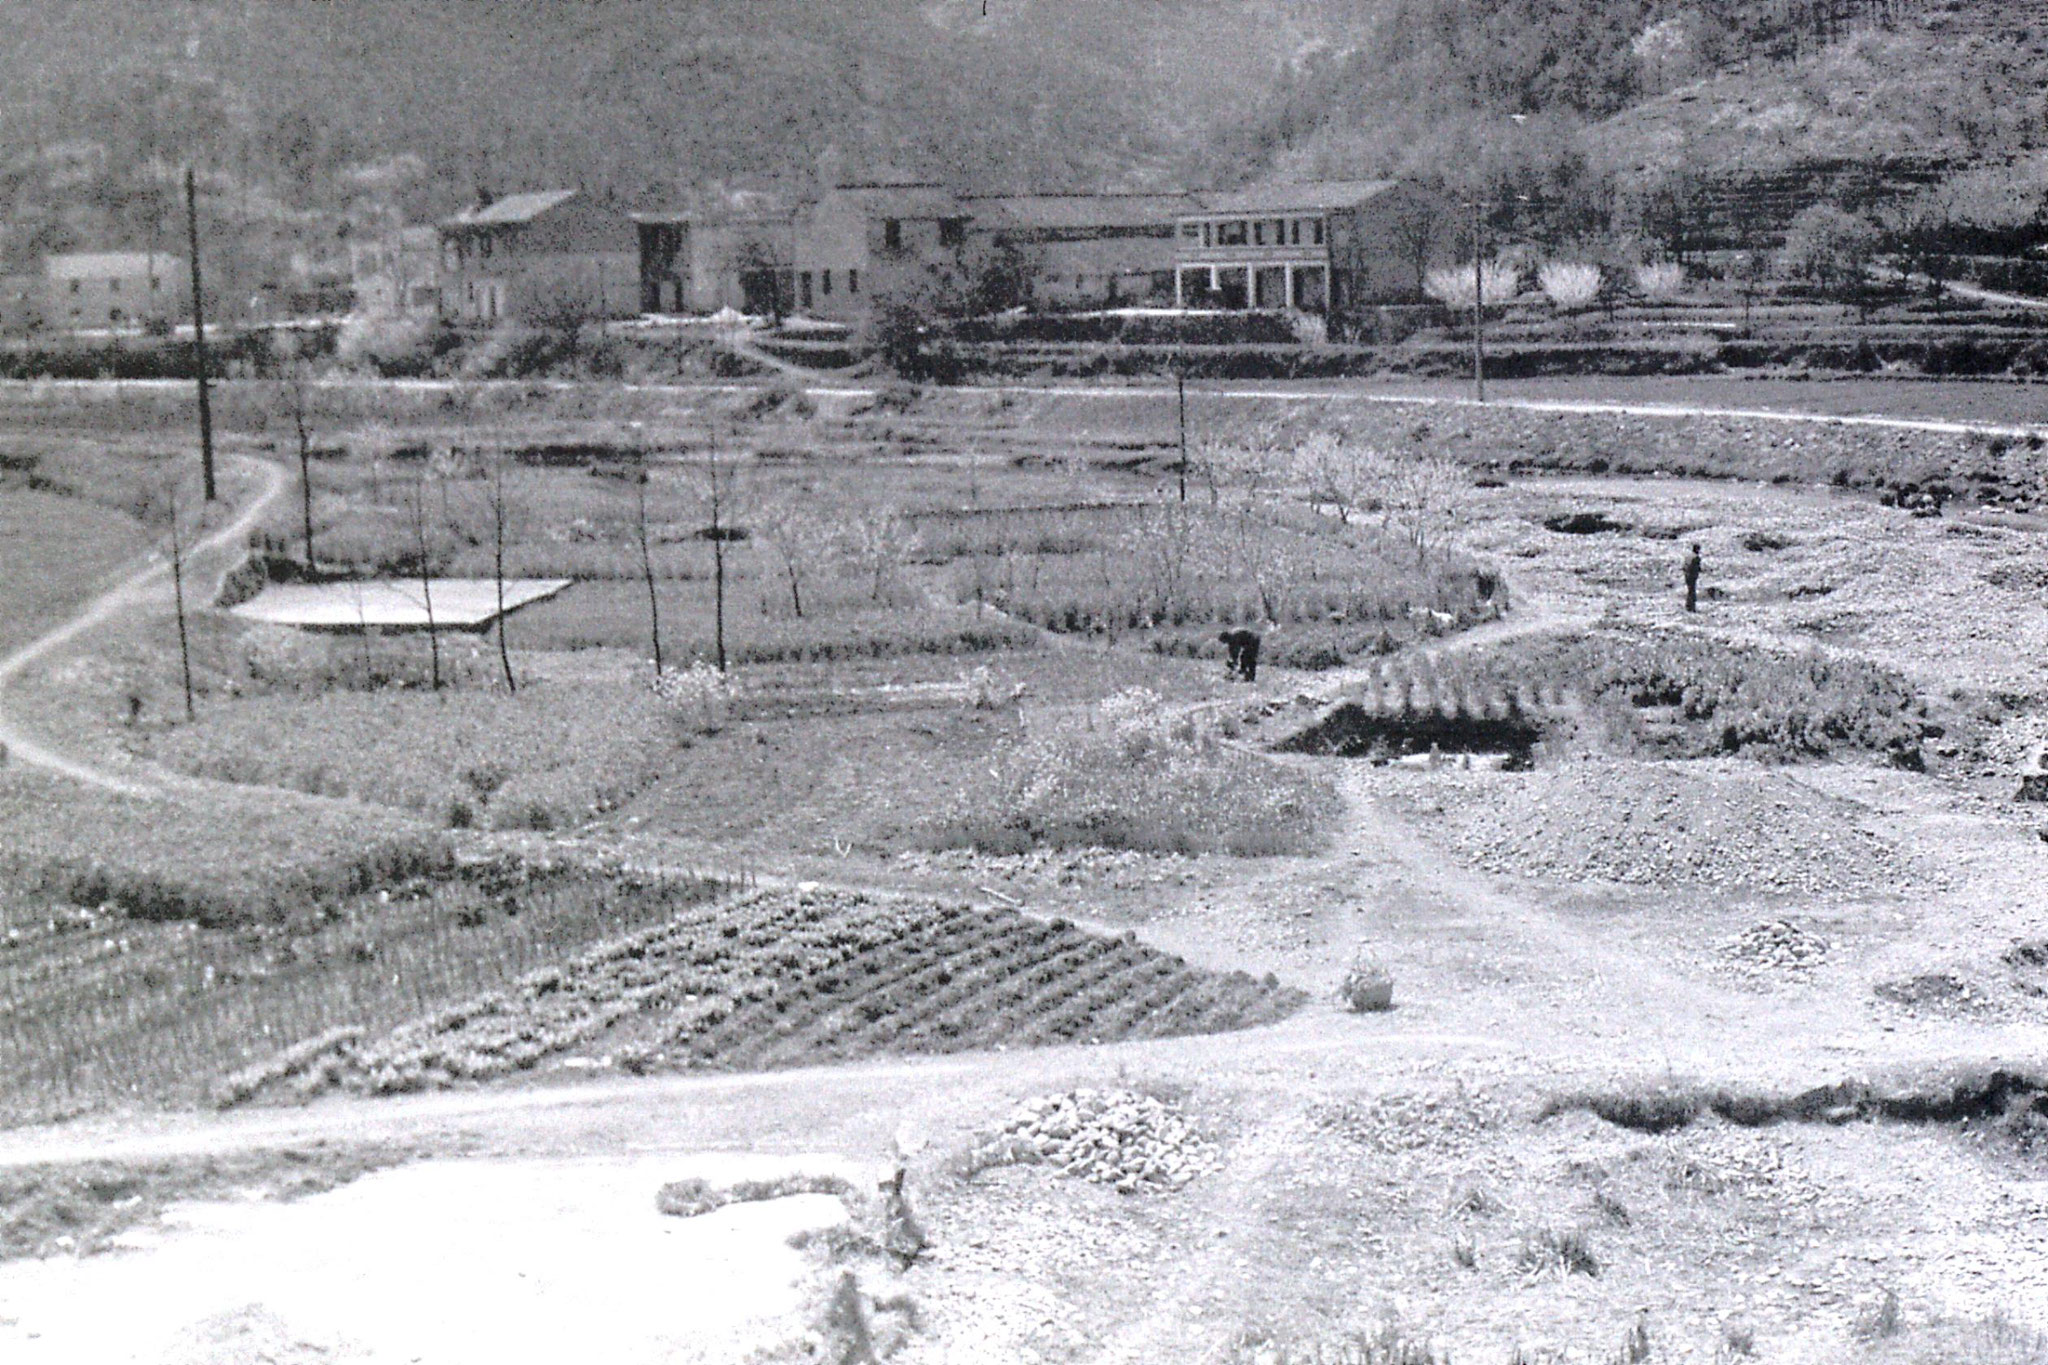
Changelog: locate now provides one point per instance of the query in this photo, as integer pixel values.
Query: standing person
(1692, 580)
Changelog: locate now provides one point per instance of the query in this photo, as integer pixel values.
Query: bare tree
(1417, 228)
(880, 537)
(1429, 495)
(800, 538)
(500, 514)
(419, 526)
(178, 597)
(647, 555)
(1248, 476)
(718, 499)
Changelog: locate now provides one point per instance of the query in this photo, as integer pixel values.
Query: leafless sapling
(419, 525)
(297, 396)
(799, 537)
(647, 556)
(178, 598)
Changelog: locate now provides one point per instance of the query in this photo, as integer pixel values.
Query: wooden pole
(199, 339)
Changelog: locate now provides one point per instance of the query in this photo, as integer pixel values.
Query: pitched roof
(1286, 198)
(906, 200)
(94, 265)
(513, 208)
(1081, 210)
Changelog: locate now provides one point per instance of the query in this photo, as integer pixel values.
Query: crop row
(784, 977)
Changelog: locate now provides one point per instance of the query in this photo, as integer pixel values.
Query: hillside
(305, 116)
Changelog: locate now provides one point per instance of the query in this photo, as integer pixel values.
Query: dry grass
(547, 758)
(1136, 775)
(53, 550)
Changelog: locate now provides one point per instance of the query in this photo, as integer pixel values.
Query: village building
(545, 258)
(396, 273)
(112, 290)
(703, 260)
(858, 242)
(21, 304)
(1333, 247)
(1086, 250)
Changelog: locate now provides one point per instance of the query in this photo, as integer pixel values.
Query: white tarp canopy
(393, 604)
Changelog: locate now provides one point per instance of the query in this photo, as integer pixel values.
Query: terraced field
(781, 978)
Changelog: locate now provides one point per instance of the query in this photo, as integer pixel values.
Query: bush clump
(1138, 776)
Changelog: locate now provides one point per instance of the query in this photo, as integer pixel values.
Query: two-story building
(93, 290)
(861, 241)
(552, 257)
(1333, 246)
(1087, 250)
(703, 260)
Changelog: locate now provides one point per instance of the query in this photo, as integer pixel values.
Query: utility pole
(199, 340)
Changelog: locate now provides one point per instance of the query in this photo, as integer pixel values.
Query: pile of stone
(1781, 944)
(1119, 1138)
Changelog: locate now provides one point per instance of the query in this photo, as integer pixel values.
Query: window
(1191, 231)
(1259, 233)
(1294, 232)
(952, 231)
(1318, 229)
(1230, 234)
(892, 234)
(852, 280)
(75, 285)
(803, 285)
(155, 285)
(1279, 232)
(826, 280)
(114, 285)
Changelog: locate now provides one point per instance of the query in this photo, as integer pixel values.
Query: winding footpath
(209, 561)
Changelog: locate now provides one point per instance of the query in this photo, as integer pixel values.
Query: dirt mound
(1724, 825)
(1112, 1137)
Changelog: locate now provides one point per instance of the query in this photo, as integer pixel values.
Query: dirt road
(205, 563)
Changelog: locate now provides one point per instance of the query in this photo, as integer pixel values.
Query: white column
(1287, 286)
(1177, 299)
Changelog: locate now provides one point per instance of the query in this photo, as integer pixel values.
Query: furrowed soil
(1608, 921)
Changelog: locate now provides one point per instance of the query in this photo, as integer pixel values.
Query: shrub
(1660, 280)
(1500, 278)
(1368, 986)
(1569, 284)
(697, 698)
(1564, 1252)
